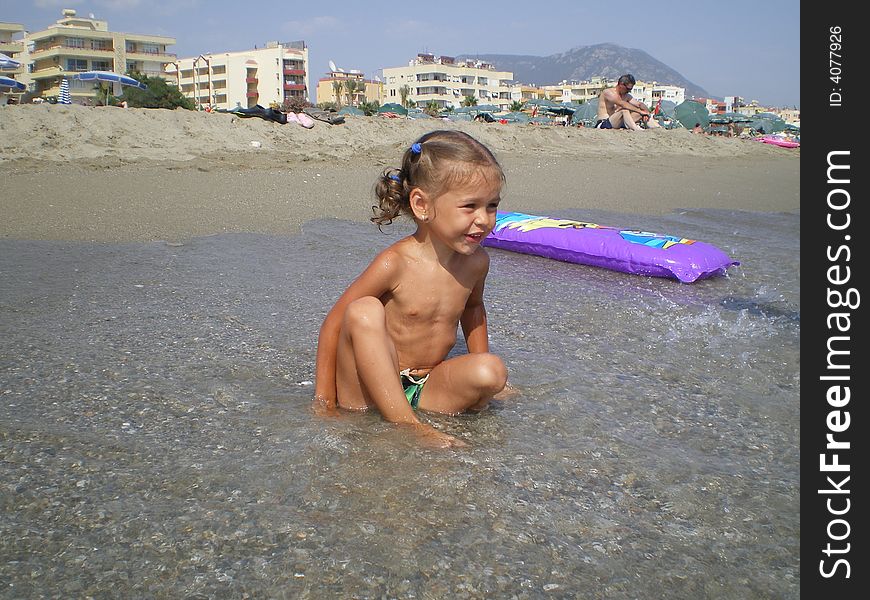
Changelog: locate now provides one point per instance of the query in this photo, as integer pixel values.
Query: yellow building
(363, 90)
(447, 81)
(12, 46)
(74, 44)
(263, 76)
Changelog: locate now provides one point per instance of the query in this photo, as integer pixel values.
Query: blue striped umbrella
(7, 83)
(63, 97)
(7, 63)
(109, 77)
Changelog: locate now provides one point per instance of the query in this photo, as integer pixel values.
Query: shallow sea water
(156, 437)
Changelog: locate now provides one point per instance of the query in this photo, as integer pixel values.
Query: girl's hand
(435, 439)
(507, 393)
(324, 407)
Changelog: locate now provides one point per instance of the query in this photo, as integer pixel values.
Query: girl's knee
(364, 312)
(491, 373)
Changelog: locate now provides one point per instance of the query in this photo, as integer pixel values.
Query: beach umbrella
(63, 97)
(690, 112)
(392, 107)
(666, 109)
(9, 84)
(110, 77)
(515, 117)
(587, 113)
(7, 63)
(351, 110)
(560, 110)
(540, 102)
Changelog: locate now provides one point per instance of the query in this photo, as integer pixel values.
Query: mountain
(584, 62)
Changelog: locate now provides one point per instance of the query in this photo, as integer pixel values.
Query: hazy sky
(740, 48)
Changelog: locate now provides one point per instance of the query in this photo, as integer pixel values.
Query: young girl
(385, 341)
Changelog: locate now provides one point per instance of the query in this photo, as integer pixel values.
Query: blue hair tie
(396, 178)
(416, 148)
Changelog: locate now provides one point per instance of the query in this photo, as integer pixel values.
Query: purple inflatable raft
(638, 252)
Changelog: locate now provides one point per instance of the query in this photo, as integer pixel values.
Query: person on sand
(384, 343)
(618, 110)
(697, 128)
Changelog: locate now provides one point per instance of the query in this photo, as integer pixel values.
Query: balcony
(253, 94)
(294, 86)
(251, 80)
(61, 50)
(294, 71)
(165, 57)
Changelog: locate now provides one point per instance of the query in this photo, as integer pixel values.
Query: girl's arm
(375, 281)
(473, 319)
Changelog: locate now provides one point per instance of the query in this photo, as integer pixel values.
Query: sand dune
(104, 173)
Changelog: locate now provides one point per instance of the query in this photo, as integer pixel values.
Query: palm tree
(337, 86)
(351, 87)
(517, 105)
(404, 92)
(469, 101)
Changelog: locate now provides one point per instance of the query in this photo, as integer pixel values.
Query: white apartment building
(447, 81)
(260, 76)
(578, 91)
(589, 90)
(75, 44)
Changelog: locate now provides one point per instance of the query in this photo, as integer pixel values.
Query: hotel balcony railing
(253, 94)
(294, 71)
(61, 50)
(251, 80)
(152, 56)
(294, 86)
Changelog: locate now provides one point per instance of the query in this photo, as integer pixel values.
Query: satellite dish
(340, 70)
(377, 78)
(332, 66)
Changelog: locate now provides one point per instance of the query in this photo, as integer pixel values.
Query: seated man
(618, 110)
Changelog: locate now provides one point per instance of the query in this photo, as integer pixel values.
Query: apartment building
(363, 90)
(578, 91)
(75, 44)
(12, 45)
(446, 81)
(589, 90)
(263, 76)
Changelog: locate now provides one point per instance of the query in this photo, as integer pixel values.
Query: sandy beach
(162, 282)
(108, 174)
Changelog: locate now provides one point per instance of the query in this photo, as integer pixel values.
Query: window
(74, 43)
(101, 65)
(76, 64)
(100, 45)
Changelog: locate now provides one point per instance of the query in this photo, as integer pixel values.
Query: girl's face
(465, 214)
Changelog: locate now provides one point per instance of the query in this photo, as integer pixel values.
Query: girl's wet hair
(434, 163)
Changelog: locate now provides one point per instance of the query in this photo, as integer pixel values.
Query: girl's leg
(463, 383)
(367, 372)
(366, 363)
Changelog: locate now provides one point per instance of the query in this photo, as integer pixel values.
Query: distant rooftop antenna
(91, 16)
(332, 66)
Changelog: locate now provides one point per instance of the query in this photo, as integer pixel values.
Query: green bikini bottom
(413, 386)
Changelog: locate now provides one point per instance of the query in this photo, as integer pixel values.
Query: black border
(827, 128)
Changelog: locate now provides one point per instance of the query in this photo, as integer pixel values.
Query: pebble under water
(156, 436)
